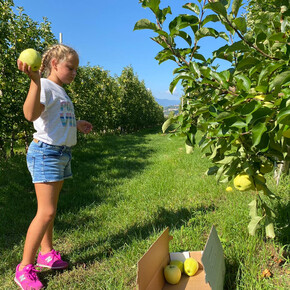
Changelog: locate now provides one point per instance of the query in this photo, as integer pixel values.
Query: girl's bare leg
(46, 243)
(47, 197)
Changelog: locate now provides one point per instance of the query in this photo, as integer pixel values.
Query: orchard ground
(126, 190)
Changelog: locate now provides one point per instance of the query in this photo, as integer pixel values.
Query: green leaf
(161, 14)
(204, 31)
(269, 69)
(253, 208)
(210, 18)
(243, 82)
(257, 131)
(212, 170)
(217, 7)
(226, 160)
(181, 76)
(224, 115)
(249, 108)
(195, 68)
(247, 62)
(145, 24)
(220, 172)
(239, 124)
(152, 4)
(164, 55)
(284, 116)
(269, 226)
(236, 6)
(193, 7)
(240, 24)
(166, 124)
(199, 56)
(181, 22)
(185, 36)
(238, 46)
(280, 36)
(253, 225)
(280, 79)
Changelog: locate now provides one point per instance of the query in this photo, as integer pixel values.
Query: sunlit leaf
(193, 7)
(236, 6)
(145, 24)
(257, 131)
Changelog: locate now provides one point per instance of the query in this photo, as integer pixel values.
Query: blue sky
(102, 33)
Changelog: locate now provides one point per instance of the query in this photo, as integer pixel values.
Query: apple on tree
(243, 182)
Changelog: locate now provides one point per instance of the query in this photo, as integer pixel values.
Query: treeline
(111, 104)
(121, 103)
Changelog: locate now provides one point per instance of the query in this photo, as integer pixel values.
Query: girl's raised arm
(32, 107)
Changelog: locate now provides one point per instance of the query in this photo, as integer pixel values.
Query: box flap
(213, 261)
(151, 265)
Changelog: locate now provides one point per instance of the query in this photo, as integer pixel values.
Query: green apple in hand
(190, 266)
(172, 274)
(31, 57)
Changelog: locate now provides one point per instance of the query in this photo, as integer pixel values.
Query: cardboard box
(211, 265)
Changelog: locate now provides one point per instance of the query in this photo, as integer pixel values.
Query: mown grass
(126, 190)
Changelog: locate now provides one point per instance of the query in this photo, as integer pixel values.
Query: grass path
(126, 190)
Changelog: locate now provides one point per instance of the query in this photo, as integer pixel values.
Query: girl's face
(65, 71)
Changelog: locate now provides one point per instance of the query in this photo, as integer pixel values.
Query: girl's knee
(46, 215)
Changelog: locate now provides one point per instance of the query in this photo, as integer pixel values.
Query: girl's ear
(54, 63)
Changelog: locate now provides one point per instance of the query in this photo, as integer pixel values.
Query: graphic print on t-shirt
(67, 115)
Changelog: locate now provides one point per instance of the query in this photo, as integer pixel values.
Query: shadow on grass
(282, 223)
(98, 165)
(163, 218)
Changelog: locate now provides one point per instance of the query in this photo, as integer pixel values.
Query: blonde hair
(58, 51)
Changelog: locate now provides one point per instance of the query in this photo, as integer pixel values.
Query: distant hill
(169, 109)
(166, 102)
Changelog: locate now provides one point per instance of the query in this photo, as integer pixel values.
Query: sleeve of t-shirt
(45, 93)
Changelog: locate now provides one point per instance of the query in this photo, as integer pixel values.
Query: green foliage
(122, 103)
(17, 32)
(243, 111)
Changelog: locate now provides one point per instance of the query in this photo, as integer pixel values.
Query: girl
(49, 155)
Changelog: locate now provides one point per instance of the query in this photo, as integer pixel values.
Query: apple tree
(242, 111)
(17, 32)
(139, 108)
(114, 103)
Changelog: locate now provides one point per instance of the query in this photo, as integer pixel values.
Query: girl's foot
(51, 260)
(27, 278)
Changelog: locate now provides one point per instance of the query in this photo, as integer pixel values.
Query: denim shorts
(48, 163)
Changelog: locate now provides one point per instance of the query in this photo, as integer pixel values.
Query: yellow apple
(172, 274)
(31, 57)
(190, 266)
(177, 263)
(229, 188)
(243, 182)
(260, 97)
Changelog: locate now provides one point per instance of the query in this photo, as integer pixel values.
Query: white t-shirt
(56, 124)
